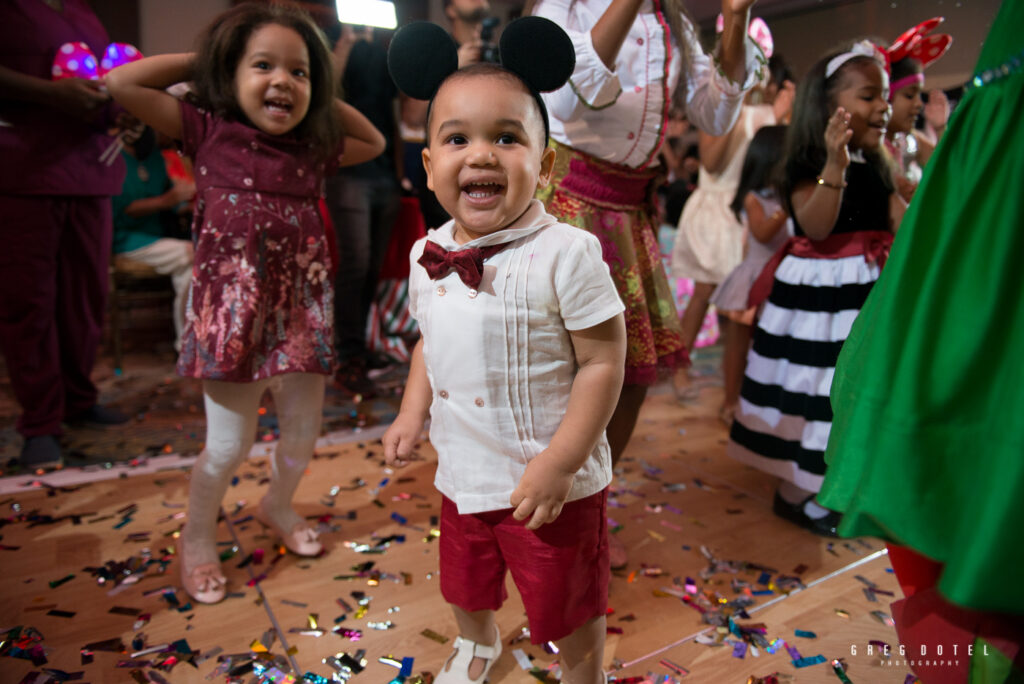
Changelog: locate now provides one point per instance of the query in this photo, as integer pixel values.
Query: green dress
(927, 443)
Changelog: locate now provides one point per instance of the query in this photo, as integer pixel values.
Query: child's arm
(897, 207)
(363, 141)
(816, 205)
(711, 149)
(601, 355)
(140, 86)
(403, 433)
(762, 226)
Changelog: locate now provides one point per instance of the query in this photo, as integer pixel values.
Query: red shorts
(561, 569)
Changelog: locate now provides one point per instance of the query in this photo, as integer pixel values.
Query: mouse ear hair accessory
(915, 43)
(538, 51)
(422, 55)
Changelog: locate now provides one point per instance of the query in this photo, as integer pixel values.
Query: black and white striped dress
(783, 421)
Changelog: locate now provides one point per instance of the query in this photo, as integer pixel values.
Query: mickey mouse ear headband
(422, 55)
(916, 44)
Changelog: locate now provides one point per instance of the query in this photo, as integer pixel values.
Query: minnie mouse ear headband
(758, 30)
(536, 50)
(914, 43)
(863, 48)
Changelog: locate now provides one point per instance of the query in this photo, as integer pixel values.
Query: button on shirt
(619, 116)
(500, 361)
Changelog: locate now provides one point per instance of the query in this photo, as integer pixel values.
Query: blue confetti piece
(400, 519)
(809, 660)
(765, 578)
(805, 634)
(406, 668)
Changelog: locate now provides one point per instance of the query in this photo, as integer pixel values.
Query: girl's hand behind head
(837, 137)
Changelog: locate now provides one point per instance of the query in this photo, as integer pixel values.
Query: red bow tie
(468, 263)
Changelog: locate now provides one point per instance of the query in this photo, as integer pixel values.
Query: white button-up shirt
(619, 116)
(499, 358)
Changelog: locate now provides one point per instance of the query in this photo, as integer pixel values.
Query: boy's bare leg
(477, 626)
(582, 653)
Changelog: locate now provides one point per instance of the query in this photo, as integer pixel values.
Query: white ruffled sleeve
(713, 100)
(592, 84)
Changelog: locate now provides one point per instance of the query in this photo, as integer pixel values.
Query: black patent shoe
(794, 513)
(98, 416)
(41, 452)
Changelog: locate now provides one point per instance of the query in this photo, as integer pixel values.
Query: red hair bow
(915, 43)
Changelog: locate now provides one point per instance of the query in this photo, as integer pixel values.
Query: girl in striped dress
(838, 189)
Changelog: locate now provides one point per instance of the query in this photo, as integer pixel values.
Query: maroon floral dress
(261, 300)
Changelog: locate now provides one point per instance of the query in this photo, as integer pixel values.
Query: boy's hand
(400, 439)
(541, 492)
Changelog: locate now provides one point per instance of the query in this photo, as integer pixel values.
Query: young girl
(910, 149)
(837, 187)
(521, 359)
(260, 310)
(768, 226)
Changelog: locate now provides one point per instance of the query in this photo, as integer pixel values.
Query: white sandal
(456, 669)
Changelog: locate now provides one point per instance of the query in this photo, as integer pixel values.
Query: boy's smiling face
(486, 154)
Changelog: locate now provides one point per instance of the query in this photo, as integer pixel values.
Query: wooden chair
(138, 294)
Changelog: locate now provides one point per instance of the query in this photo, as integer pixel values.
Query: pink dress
(261, 301)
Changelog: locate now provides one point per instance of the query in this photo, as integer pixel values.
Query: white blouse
(619, 116)
(500, 360)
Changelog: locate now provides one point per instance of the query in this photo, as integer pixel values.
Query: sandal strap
(477, 650)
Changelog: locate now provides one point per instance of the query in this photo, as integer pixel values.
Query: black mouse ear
(539, 52)
(421, 56)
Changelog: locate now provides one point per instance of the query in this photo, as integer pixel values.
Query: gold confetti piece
(292, 651)
(313, 619)
(431, 634)
(659, 537)
(842, 613)
(257, 646)
(360, 612)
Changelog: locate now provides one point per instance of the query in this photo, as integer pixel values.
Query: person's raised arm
(401, 437)
(816, 203)
(611, 29)
(601, 355)
(363, 141)
(140, 87)
(736, 16)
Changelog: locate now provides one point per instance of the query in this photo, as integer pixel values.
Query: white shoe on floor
(456, 668)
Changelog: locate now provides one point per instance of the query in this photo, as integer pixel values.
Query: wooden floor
(680, 500)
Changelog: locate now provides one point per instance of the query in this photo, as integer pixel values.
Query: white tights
(231, 420)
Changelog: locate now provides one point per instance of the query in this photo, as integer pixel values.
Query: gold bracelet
(822, 181)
